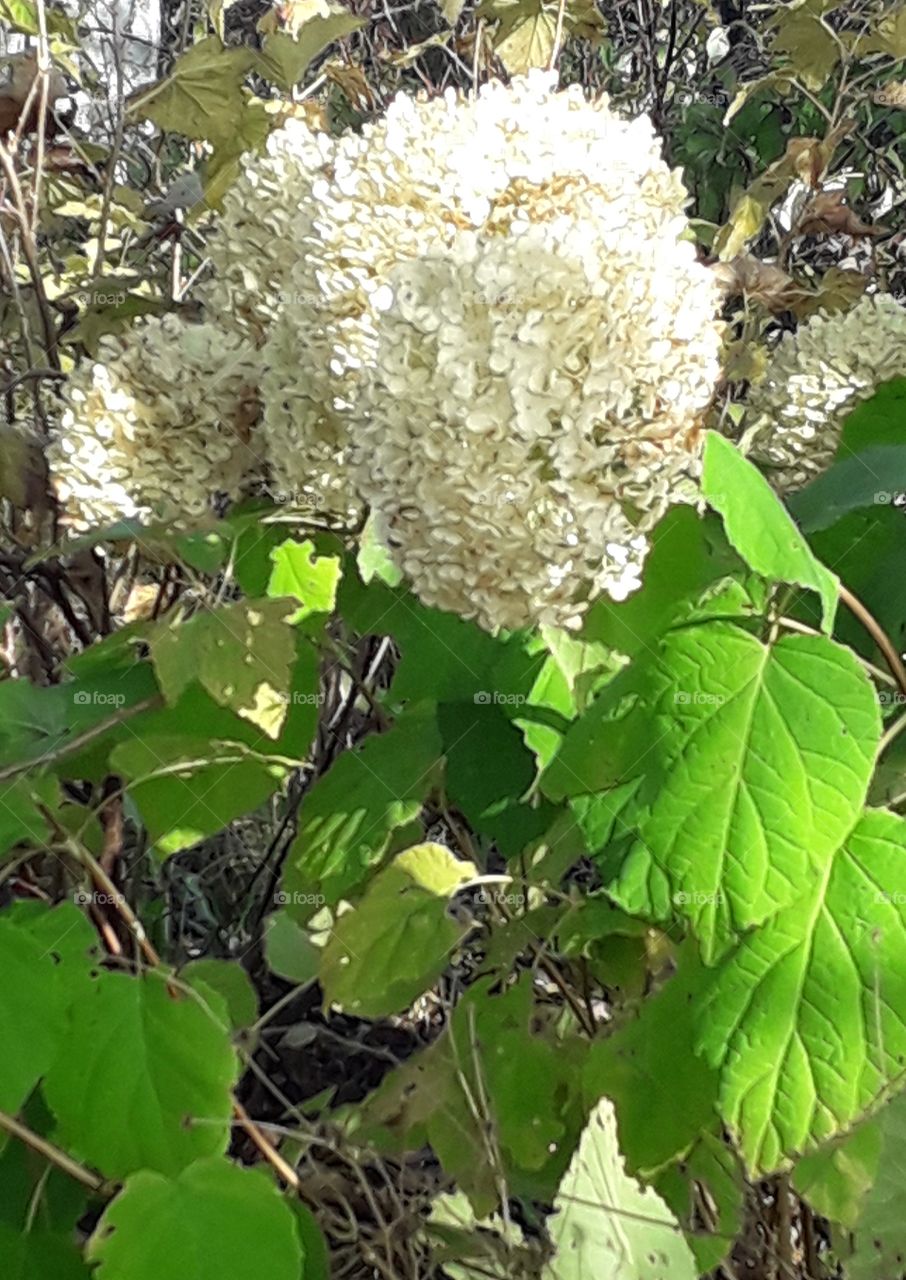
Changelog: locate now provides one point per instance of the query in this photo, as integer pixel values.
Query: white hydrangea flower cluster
(156, 424)
(479, 316)
(490, 287)
(814, 380)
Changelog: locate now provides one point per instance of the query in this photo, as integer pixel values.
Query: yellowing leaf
(202, 97)
(527, 32)
(809, 44)
(285, 58)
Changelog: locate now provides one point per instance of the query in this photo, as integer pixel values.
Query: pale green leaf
(759, 527)
(284, 60)
(605, 1224)
(202, 97)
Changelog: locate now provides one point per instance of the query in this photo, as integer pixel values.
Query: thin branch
(96, 1184)
(878, 634)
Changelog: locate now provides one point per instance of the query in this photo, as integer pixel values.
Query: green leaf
(663, 1094)
(202, 97)
(688, 554)
(231, 983)
(347, 819)
(136, 1049)
(878, 421)
(23, 16)
(213, 1219)
(39, 1255)
(806, 1020)
(189, 788)
(756, 761)
(33, 1006)
(290, 952)
(879, 1247)
(444, 658)
(527, 32)
(397, 941)
(21, 822)
(872, 478)
(530, 1083)
(867, 549)
(835, 1179)
(312, 579)
(284, 60)
(474, 734)
(604, 1224)
(759, 527)
(242, 654)
(706, 1188)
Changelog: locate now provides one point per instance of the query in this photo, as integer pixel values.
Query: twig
(878, 634)
(98, 1185)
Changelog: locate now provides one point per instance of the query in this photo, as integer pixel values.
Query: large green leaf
(759, 527)
(347, 819)
(214, 1219)
(144, 1079)
(605, 1224)
(398, 940)
(756, 762)
(806, 1019)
